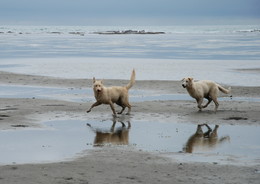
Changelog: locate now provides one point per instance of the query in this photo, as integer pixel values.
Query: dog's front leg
(199, 101)
(94, 105)
(112, 107)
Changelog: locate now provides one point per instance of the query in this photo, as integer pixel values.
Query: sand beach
(124, 164)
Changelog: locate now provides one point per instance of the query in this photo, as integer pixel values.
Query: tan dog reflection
(204, 140)
(119, 136)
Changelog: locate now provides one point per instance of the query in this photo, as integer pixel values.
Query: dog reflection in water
(204, 140)
(114, 136)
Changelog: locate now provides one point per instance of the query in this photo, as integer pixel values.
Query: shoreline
(162, 86)
(114, 164)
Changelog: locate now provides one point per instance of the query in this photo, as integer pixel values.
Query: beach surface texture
(46, 88)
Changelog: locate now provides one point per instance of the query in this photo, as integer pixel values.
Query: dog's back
(203, 87)
(114, 93)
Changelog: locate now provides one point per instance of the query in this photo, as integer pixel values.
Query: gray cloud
(154, 11)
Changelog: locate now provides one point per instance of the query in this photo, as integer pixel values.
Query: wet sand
(124, 165)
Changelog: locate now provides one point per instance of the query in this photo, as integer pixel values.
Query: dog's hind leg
(123, 108)
(125, 103)
(215, 100)
(209, 101)
(129, 108)
(120, 103)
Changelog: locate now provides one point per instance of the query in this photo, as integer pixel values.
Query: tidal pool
(67, 139)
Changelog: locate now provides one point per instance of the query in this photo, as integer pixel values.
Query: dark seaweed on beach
(235, 118)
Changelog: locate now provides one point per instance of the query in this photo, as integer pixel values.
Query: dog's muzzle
(184, 86)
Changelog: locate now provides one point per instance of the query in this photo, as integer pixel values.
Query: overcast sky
(128, 12)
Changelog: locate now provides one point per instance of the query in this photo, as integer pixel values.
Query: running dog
(204, 89)
(111, 95)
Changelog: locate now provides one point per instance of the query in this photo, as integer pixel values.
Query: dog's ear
(190, 79)
(183, 79)
(101, 81)
(94, 80)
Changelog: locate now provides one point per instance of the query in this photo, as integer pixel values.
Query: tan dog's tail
(132, 80)
(223, 90)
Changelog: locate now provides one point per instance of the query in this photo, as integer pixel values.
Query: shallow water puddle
(20, 91)
(62, 140)
(78, 94)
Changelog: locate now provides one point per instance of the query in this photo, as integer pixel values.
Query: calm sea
(76, 52)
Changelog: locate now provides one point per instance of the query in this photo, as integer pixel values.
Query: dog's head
(187, 82)
(97, 85)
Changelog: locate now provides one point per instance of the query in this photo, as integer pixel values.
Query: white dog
(111, 95)
(204, 89)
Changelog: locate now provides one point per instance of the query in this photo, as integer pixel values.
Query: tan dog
(204, 89)
(111, 95)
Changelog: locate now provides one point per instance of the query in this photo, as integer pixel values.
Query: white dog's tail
(132, 80)
(223, 90)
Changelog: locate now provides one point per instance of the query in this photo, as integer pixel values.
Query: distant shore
(129, 32)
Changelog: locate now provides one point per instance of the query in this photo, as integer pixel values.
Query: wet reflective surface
(113, 136)
(204, 140)
(67, 94)
(62, 140)
(86, 94)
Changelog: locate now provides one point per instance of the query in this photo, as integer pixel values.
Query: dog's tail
(223, 90)
(132, 80)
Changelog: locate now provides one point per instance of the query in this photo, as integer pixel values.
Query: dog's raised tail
(132, 80)
(223, 90)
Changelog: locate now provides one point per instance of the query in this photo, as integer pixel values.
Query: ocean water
(219, 53)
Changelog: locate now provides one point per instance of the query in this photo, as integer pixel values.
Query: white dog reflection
(204, 140)
(118, 136)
